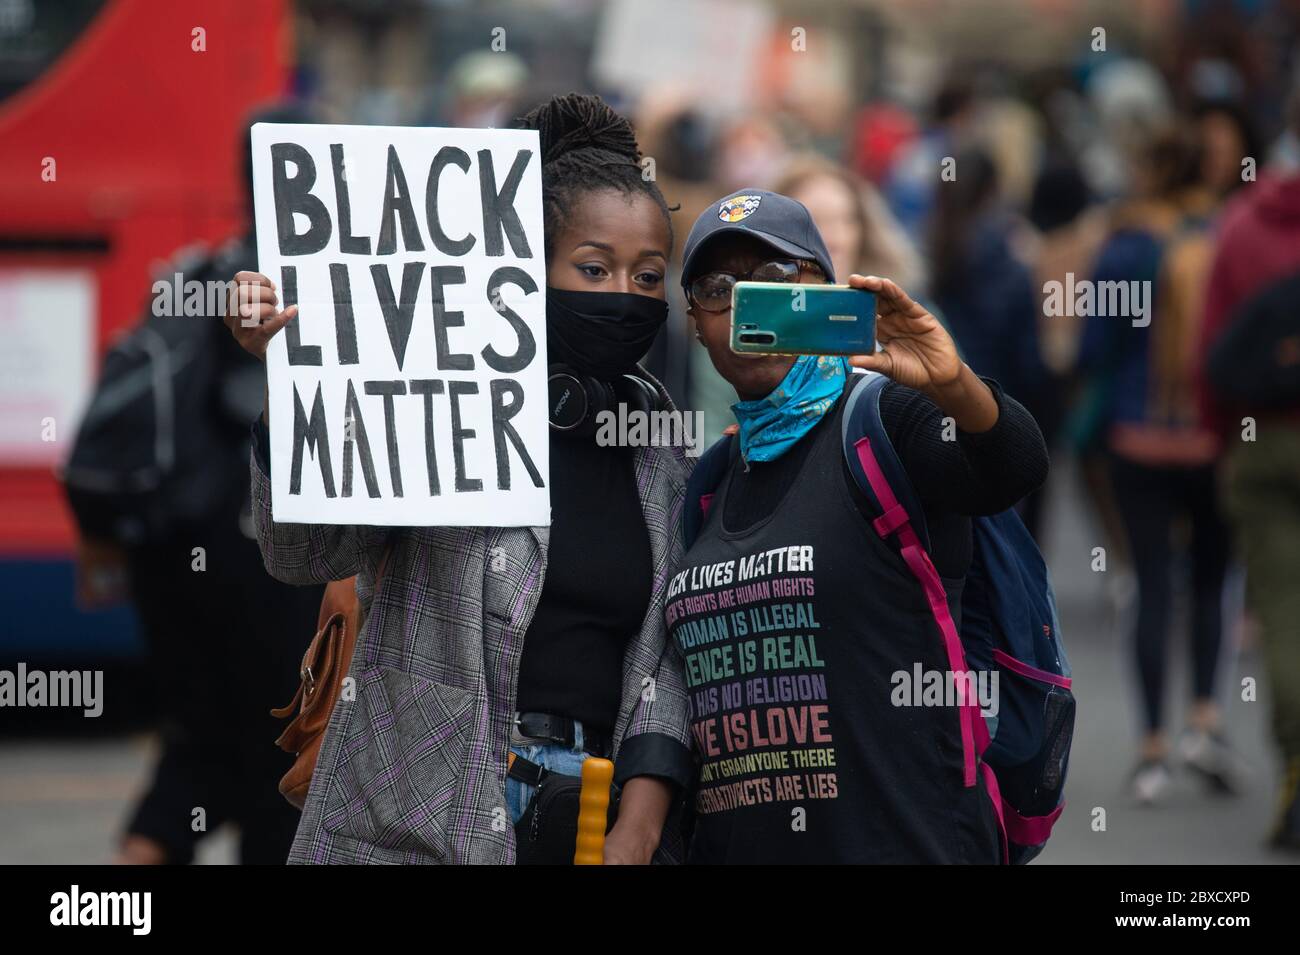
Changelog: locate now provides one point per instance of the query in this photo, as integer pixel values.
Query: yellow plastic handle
(593, 811)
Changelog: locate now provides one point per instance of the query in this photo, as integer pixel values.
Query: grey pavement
(64, 801)
(1191, 825)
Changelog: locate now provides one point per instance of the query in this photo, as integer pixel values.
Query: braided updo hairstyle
(586, 147)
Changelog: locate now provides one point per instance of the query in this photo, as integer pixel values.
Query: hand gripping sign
(411, 387)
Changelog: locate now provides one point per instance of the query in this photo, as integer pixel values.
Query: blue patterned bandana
(770, 426)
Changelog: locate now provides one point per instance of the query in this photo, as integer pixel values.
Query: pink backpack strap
(895, 521)
(1015, 828)
(1029, 830)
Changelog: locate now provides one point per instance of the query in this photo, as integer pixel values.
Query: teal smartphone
(779, 318)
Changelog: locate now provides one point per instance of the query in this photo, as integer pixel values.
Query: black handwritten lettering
(293, 194)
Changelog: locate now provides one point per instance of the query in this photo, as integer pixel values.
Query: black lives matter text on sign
(410, 389)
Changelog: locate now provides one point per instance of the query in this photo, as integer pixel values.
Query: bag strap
(524, 770)
(870, 457)
(701, 486)
(862, 418)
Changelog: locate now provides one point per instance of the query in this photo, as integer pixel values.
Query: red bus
(119, 128)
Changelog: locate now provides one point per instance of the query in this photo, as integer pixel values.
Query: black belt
(561, 731)
(525, 770)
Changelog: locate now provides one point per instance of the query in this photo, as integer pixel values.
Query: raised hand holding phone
(917, 351)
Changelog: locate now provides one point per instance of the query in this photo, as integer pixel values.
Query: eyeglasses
(711, 292)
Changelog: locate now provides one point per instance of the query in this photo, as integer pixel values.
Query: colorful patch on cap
(738, 207)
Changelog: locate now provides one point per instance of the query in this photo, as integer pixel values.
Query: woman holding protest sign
(519, 650)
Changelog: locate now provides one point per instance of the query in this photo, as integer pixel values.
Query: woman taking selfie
(808, 756)
(547, 644)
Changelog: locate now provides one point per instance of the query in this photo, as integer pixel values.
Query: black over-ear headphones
(576, 399)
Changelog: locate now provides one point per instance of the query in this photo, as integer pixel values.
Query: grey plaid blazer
(412, 770)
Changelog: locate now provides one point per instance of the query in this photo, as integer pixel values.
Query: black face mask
(601, 333)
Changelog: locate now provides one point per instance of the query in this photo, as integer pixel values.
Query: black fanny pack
(547, 832)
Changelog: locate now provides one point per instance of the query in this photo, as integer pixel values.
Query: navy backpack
(1009, 626)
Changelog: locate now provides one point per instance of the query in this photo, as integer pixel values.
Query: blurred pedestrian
(1161, 451)
(1258, 245)
(224, 639)
(911, 184)
(860, 232)
(751, 148)
(483, 88)
(1226, 135)
(986, 292)
(1071, 230)
(681, 143)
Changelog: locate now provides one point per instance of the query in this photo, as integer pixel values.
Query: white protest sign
(411, 388)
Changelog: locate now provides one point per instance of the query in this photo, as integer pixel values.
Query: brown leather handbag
(324, 668)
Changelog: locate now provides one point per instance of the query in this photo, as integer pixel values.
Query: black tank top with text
(802, 636)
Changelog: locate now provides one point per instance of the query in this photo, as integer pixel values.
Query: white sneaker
(1209, 755)
(1150, 780)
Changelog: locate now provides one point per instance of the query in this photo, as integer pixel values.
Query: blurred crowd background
(975, 151)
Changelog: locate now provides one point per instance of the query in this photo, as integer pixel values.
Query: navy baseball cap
(781, 222)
